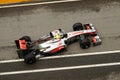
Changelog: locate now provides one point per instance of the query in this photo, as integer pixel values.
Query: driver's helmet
(57, 36)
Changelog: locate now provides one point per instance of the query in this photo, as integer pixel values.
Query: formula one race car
(56, 41)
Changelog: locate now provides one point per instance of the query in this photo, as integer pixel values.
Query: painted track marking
(64, 56)
(60, 68)
(40, 3)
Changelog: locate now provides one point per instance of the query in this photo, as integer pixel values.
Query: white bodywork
(52, 44)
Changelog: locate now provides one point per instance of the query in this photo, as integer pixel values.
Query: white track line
(40, 3)
(60, 68)
(83, 54)
(64, 56)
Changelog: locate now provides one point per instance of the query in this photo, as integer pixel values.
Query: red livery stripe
(57, 49)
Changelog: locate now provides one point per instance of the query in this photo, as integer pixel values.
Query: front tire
(85, 43)
(77, 27)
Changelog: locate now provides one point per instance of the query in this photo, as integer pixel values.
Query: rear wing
(21, 44)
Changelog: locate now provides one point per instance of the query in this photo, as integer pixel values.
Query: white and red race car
(56, 41)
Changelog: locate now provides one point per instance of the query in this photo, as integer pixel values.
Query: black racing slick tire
(77, 27)
(30, 58)
(85, 43)
(26, 38)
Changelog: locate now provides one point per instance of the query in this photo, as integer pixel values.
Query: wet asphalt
(36, 21)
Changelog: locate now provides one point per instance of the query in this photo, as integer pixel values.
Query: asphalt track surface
(36, 21)
(94, 73)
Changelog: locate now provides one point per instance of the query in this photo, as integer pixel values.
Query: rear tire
(77, 27)
(30, 58)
